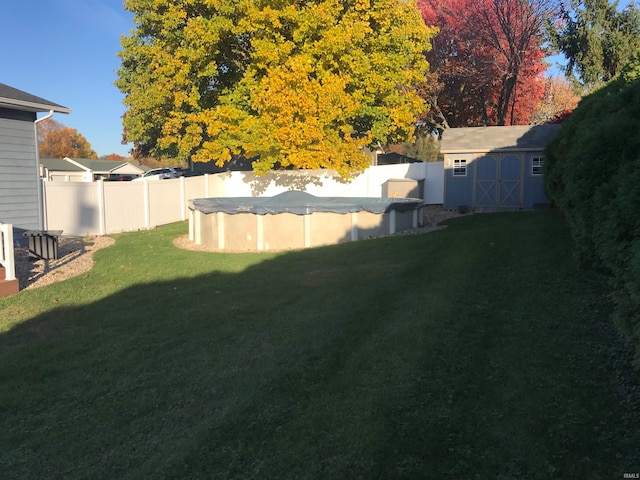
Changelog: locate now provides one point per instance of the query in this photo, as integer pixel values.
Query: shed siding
(18, 179)
(458, 189)
(535, 193)
(494, 181)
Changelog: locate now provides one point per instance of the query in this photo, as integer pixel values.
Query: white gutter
(40, 183)
(48, 115)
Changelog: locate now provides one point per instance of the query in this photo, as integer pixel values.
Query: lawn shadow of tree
(361, 360)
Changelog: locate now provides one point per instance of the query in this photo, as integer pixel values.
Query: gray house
(21, 203)
(495, 168)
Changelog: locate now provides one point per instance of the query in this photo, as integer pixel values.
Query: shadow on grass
(414, 357)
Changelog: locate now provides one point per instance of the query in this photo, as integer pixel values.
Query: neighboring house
(495, 168)
(59, 169)
(394, 158)
(237, 163)
(87, 169)
(21, 203)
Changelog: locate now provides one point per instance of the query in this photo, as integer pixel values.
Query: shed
(495, 168)
(21, 203)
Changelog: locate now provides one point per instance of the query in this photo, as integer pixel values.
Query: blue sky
(65, 51)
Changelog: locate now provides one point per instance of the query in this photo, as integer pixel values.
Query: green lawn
(475, 352)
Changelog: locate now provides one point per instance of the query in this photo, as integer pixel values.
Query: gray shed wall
(494, 181)
(19, 181)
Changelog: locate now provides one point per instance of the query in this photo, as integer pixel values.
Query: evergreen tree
(597, 39)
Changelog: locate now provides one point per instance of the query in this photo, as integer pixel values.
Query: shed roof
(18, 100)
(488, 139)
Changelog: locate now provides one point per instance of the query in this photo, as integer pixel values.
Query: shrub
(592, 172)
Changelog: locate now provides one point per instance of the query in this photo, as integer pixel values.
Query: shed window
(460, 167)
(536, 166)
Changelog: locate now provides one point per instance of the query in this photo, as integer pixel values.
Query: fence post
(45, 209)
(147, 207)
(6, 255)
(424, 175)
(183, 205)
(101, 208)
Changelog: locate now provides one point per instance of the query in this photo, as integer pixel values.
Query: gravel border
(75, 257)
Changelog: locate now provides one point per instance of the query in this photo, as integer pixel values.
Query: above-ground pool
(296, 220)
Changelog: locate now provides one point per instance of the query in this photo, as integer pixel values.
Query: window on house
(536, 166)
(460, 167)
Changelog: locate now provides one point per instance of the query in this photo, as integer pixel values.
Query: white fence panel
(434, 183)
(218, 185)
(165, 202)
(195, 187)
(72, 207)
(124, 206)
(380, 175)
(323, 184)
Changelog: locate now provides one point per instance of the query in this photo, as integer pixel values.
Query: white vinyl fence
(100, 208)
(6, 251)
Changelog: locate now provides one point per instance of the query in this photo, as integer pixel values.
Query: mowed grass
(475, 352)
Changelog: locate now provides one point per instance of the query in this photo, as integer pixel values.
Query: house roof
(104, 166)
(60, 165)
(18, 100)
(488, 139)
(142, 167)
(95, 165)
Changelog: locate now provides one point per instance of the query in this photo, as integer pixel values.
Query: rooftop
(18, 100)
(488, 139)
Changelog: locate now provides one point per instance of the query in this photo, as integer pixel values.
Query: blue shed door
(486, 182)
(498, 182)
(510, 182)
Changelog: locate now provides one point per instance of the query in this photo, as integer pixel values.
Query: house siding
(18, 177)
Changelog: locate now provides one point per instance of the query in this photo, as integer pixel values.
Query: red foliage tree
(115, 156)
(486, 62)
(559, 100)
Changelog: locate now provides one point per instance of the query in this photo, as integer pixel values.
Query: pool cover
(302, 203)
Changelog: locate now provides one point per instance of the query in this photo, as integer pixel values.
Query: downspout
(40, 183)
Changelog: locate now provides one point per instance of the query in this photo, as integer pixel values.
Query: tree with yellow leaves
(291, 83)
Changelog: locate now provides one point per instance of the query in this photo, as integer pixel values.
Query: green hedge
(592, 172)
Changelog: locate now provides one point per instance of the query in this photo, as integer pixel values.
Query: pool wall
(283, 231)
